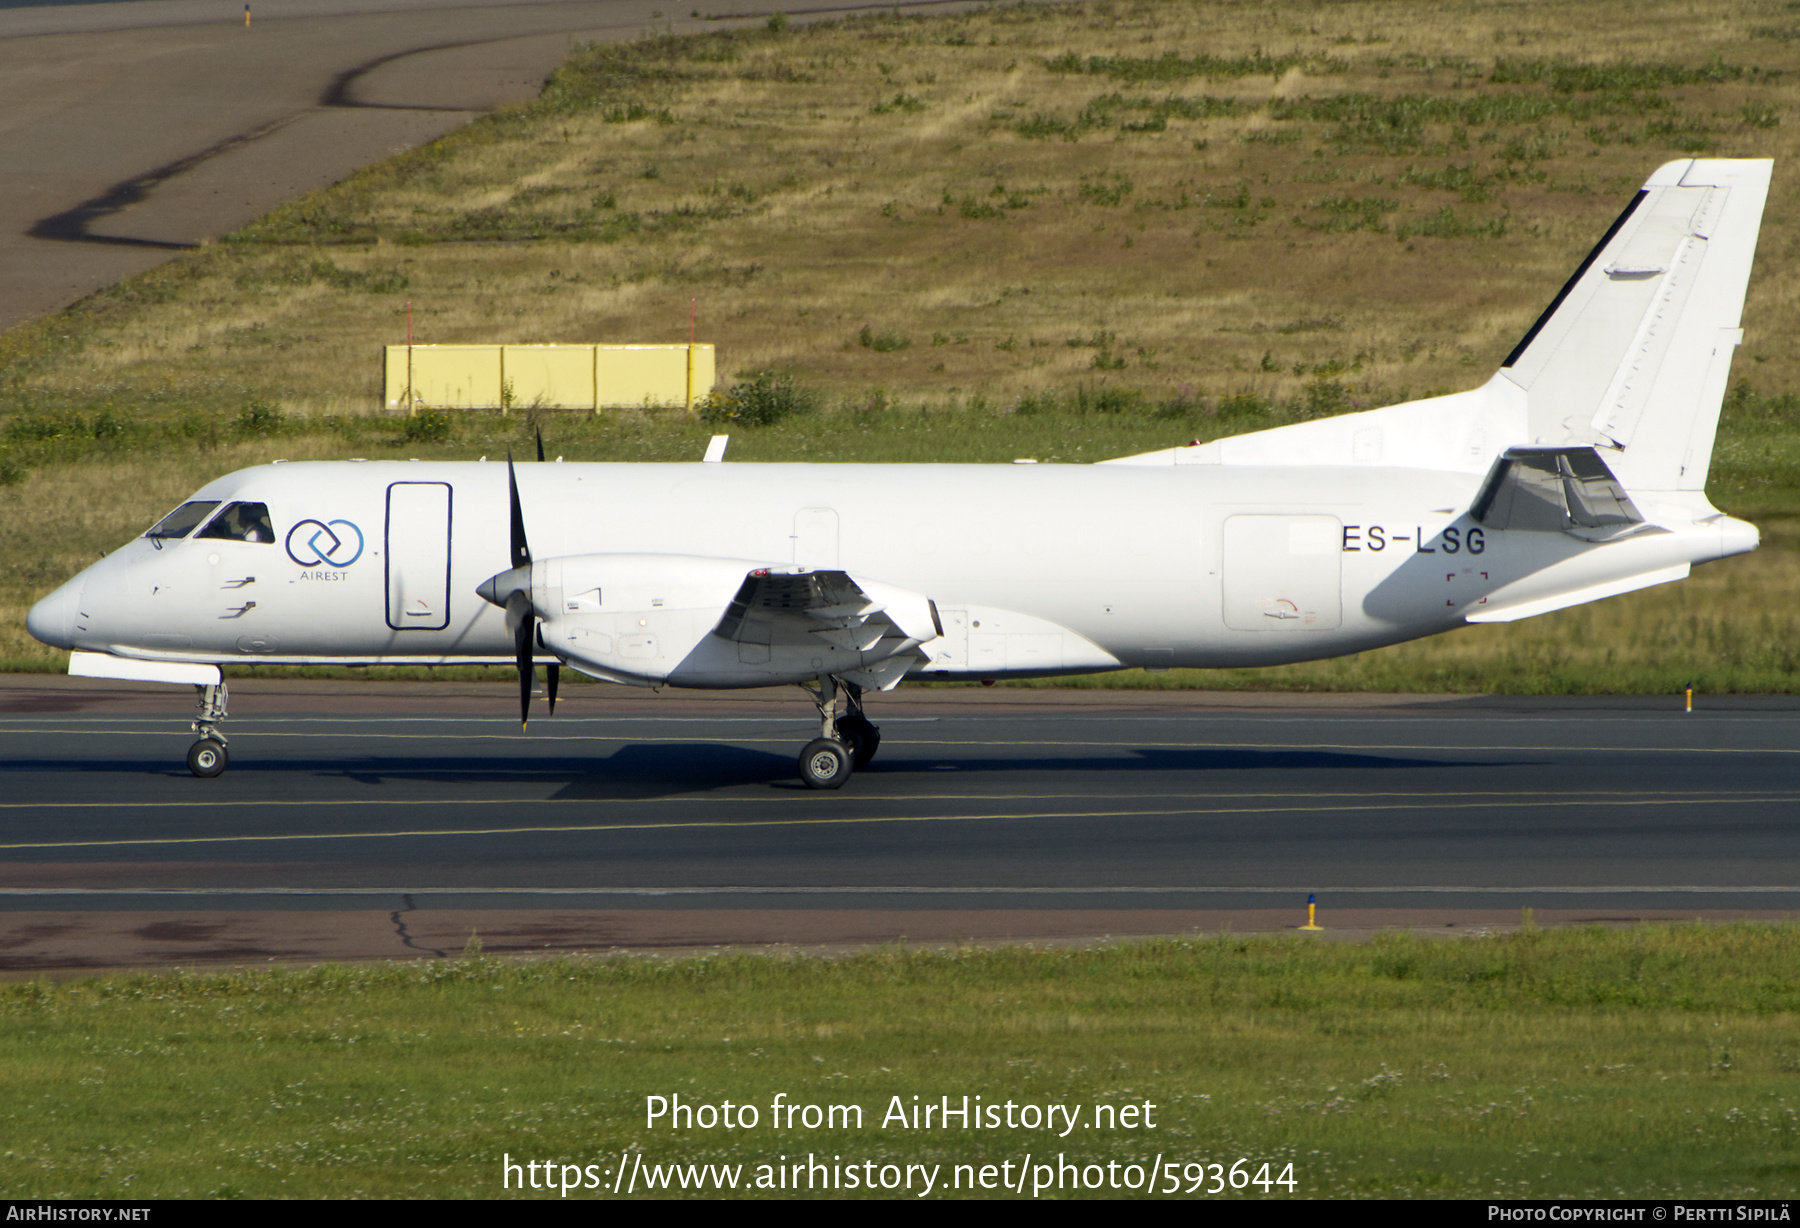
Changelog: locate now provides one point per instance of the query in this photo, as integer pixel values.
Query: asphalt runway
(130, 131)
(394, 820)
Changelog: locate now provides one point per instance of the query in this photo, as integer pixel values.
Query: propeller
(511, 590)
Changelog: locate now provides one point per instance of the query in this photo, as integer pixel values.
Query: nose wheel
(208, 758)
(847, 739)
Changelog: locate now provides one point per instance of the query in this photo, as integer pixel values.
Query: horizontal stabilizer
(1580, 596)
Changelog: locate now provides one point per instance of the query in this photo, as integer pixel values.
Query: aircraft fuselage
(1200, 565)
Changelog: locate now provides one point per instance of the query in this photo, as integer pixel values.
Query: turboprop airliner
(1577, 472)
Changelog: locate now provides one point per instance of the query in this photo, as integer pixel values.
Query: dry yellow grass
(817, 181)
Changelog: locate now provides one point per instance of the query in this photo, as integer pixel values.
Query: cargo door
(418, 556)
(1283, 573)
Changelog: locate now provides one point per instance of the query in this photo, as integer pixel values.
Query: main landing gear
(847, 739)
(208, 757)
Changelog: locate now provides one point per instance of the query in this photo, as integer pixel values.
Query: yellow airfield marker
(246, 17)
(1690, 699)
(1312, 913)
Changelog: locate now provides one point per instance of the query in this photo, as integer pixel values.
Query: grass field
(1649, 1062)
(1062, 231)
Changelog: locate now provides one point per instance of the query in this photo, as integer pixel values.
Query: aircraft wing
(823, 615)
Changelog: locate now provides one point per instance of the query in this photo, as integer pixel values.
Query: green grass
(1658, 1061)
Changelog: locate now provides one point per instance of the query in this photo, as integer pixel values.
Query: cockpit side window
(181, 521)
(240, 522)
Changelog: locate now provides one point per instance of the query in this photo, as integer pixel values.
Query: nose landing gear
(847, 738)
(208, 757)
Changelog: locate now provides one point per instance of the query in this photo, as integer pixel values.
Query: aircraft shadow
(633, 771)
(665, 769)
(661, 769)
(1194, 759)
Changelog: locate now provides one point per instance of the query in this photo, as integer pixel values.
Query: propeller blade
(520, 615)
(521, 551)
(540, 437)
(522, 646)
(552, 671)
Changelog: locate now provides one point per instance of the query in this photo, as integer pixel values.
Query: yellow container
(505, 377)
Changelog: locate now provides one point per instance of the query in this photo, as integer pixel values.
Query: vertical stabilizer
(1633, 356)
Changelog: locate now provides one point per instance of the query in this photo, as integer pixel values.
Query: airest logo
(318, 543)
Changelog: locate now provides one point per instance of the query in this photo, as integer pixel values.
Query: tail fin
(1633, 356)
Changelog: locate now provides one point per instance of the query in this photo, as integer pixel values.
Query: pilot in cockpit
(242, 522)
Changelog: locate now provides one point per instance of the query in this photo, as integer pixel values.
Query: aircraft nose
(52, 620)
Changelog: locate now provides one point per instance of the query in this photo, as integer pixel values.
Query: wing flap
(831, 618)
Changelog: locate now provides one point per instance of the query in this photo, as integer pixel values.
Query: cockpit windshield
(181, 521)
(240, 522)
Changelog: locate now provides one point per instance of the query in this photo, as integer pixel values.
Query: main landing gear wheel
(825, 764)
(207, 758)
(860, 734)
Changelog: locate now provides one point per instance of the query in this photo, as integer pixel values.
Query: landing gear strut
(847, 739)
(208, 757)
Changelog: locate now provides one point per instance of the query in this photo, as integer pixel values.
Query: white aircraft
(1577, 472)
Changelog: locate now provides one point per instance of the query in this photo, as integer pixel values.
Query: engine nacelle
(631, 617)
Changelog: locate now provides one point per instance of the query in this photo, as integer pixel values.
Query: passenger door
(418, 556)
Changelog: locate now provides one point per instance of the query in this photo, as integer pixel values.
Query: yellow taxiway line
(688, 824)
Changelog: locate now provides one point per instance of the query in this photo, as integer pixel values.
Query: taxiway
(662, 820)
